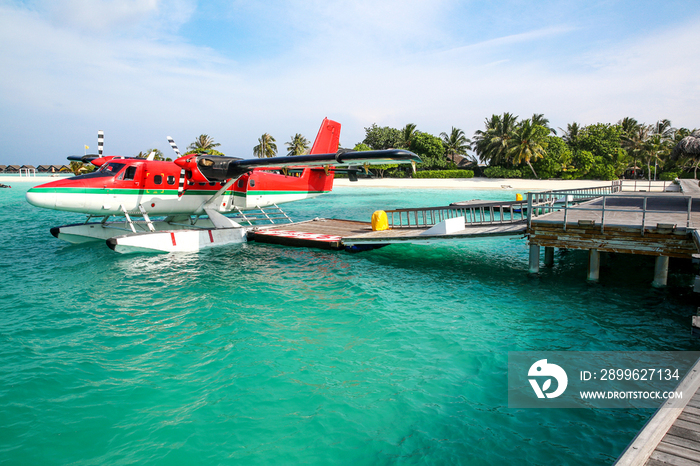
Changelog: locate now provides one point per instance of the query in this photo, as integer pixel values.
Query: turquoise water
(259, 354)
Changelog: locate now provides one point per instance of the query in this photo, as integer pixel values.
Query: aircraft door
(128, 187)
(133, 175)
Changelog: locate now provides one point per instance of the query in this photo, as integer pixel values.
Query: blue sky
(144, 69)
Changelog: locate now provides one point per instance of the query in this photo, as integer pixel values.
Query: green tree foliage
(431, 151)
(78, 168)
(528, 143)
(299, 145)
(444, 174)
(539, 119)
(204, 144)
(570, 134)
(493, 144)
(407, 134)
(502, 172)
(380, 138)
(557, 161)
(603, 142)
(456, 143)
(158, 156)
(266, 147)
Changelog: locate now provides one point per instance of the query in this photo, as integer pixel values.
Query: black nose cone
(55, 231)
(112, 243)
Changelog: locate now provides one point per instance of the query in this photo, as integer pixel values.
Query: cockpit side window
(130, 173)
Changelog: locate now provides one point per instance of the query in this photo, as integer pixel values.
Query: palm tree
(571, 133)
(493, 144)
(299, 145)
(456, 142)
(662, 142)
(539, 119)
(407, 134)
(527, 143)
(77, 168)
(158, 156)
(266, 148)
(629, 126)
(204, 143)
(636, 143)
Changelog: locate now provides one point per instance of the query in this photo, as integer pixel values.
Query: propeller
(183, 181)
(100, 142)
(174, 146)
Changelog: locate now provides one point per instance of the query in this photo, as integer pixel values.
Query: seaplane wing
(215, 168)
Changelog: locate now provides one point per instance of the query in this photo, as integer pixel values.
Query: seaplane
(194, 202)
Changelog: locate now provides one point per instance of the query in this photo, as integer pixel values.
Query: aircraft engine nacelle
(189, 163)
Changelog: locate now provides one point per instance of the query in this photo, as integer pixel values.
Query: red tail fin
(327, 139)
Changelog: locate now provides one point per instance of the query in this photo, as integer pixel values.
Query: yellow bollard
(518, 197)
(380, 221)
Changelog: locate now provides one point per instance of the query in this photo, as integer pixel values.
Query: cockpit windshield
(111, 168)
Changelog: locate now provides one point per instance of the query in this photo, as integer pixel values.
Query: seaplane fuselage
(126, 183)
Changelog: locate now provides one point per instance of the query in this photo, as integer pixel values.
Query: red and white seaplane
(193, 193)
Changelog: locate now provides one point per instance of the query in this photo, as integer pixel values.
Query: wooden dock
(635, 223)
(342, 234)
(672, 435)
(659, 224)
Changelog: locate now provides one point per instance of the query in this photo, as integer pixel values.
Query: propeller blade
(100, 142)
(174, 146)
(181, 186)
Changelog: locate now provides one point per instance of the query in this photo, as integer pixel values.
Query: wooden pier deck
(672, 435)
(339, 234)
(637, 223)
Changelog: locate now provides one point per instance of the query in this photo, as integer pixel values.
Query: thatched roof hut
(689, 145)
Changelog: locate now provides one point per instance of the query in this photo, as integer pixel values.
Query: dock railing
(506, 212)
(644, 185)
(544, 202)
(572, 198)
(481, 213)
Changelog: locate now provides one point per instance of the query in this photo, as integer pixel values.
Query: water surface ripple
(262, 354)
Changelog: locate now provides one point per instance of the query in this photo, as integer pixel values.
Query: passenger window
(240, 183)
(158, 179)
(252, 183)
(171, 179)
